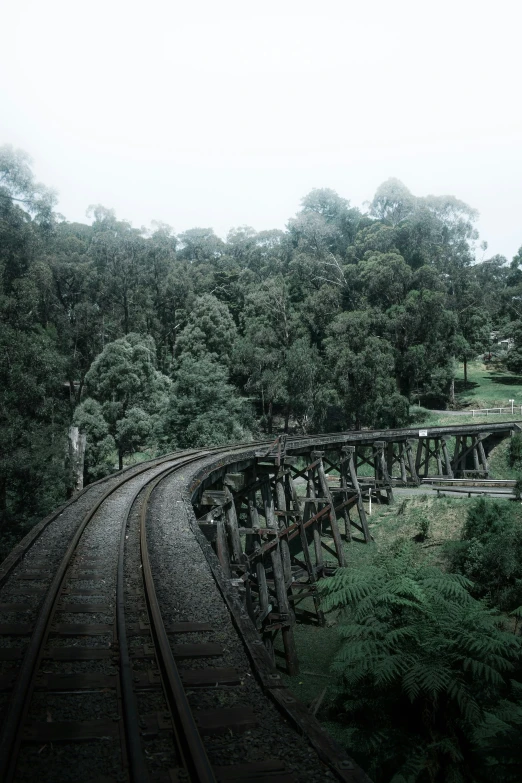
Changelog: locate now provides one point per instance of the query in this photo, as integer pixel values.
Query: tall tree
(131, 391)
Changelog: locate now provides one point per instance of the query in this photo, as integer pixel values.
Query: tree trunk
(75, 459)
(465, 373)
(269, 421)
(287, 417)
(452, 392)
(120, 459)
(3, 499)
(126, 312)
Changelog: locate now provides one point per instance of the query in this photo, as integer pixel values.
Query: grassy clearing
(488, 386)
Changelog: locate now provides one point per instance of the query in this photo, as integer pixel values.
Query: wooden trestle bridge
(275, 542)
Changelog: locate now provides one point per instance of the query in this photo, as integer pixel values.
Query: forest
(150, 340)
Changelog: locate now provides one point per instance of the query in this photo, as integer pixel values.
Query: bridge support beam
(382, 477)
(433, 460)
(469, 458)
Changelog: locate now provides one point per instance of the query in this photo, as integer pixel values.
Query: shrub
(490, 552)
(425, 675)
(515, 450)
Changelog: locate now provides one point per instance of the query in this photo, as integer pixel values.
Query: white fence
(509, 411)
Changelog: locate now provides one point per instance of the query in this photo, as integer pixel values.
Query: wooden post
(280, 584)
(310, 510)
(283, 523)
(438, 457)
(232, 526)
(350, 450)
(402, 463)
(476, 464)
(418, 458)
(483, 457)
(389, 458)
(456, 453)
(447, 462)
(306, 552)
(344, 459)
(381, 470)
(409, 455)
(222, 547)
(325, 489)
(253, 513)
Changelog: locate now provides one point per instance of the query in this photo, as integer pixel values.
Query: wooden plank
(209, 678)
(81, 608)
(197, 650)
(69, 731)
(78, 653)
(189, 627)
(81, 629)
(21, 590)
(37, 576)
(237, 773)
(15, 629)
(11, 653)
(237, 719)
(7, 681)
(76, 682)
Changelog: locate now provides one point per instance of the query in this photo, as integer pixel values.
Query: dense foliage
(490, 552)
(148, 338)
(429, 678)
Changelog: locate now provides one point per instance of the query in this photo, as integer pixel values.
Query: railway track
(65, 651)
(98, 684)
(114, 668)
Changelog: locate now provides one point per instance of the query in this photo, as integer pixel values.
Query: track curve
(141, 521)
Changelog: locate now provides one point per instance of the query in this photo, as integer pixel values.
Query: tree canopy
(340, 320)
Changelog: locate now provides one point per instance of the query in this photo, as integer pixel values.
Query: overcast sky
(222, 114)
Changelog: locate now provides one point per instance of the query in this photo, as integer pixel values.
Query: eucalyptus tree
(210, 329)
(271, 324)
(203, 407)
(117, 250)
(132, 393)
(363, 364)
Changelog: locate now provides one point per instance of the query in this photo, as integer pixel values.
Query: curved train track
(114, 668)
(98, 683)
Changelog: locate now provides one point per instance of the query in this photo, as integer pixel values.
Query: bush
(426, 687)
(490, 552)
(515, 450)
(422, 525)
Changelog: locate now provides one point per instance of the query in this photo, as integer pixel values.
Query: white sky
(227, 113)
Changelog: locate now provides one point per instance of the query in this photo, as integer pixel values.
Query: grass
(488, 386)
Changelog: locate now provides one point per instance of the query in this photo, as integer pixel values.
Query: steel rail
(136, 758)
(20, 550)
(188, 740)
(190, 745)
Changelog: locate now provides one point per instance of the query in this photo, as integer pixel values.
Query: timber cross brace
(281, 519)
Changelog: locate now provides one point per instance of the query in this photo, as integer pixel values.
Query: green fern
(429, 668)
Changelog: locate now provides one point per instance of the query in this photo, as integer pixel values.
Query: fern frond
(481, 669)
